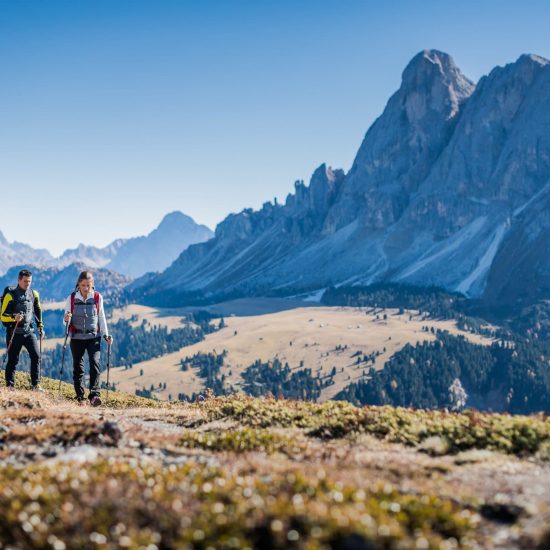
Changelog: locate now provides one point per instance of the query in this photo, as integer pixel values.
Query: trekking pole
(41, 334)
(108, 369)
(63, 356)
(10, 343)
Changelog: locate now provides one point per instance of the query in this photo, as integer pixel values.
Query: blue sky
(115, 112)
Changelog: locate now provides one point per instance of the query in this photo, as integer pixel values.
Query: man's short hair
(24, 273)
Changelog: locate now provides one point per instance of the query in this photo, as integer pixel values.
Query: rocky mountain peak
(174, 220)
(401, 146)
(532, 59)
(432, 81)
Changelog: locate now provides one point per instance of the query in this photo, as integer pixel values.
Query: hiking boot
(38, 388)
(10, 388)
(95, 401)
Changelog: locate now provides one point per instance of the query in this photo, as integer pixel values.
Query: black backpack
(8, 289)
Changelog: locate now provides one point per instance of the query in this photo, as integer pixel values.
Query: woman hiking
(85, 320)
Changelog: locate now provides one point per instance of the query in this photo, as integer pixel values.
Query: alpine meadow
(199, 356)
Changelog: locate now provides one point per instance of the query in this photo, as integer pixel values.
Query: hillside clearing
(308, 334)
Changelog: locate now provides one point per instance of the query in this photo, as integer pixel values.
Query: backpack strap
(37, 308)
(71, 327)
(96, 300)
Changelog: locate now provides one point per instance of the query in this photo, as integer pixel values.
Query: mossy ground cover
(189, 506)
(519, 435)
(242, 440)
(261, 473)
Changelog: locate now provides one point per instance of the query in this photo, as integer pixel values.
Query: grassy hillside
(318, 338)
(238, 472)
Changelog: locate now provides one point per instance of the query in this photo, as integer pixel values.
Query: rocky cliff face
(520, 271)
(445, 189)
(263, 240)
(402, 145)
(495, 164)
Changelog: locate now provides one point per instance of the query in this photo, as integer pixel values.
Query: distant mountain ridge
(131, 257)
(92, 256)
(56, 283)
(157, 250)
(19, 253)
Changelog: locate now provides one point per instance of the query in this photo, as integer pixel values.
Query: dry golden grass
(153, 316)
(308, 334)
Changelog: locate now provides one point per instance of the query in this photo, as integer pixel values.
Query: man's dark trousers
(20, 340)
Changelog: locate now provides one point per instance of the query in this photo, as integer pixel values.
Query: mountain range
(56, 283)
(450, 187)
(130, 257)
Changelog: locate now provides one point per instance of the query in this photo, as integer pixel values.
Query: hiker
(85, 320)
(20, 307)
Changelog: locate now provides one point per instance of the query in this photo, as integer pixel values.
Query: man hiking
(85, 320)
(20, 307)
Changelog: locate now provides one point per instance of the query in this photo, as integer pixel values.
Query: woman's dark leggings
(78, 349)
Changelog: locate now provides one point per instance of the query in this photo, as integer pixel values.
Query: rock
(501, 512)
(112, 432)
(81, 453)
(352, 542)
(49, 453)
(473, 456)
(434, 445)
